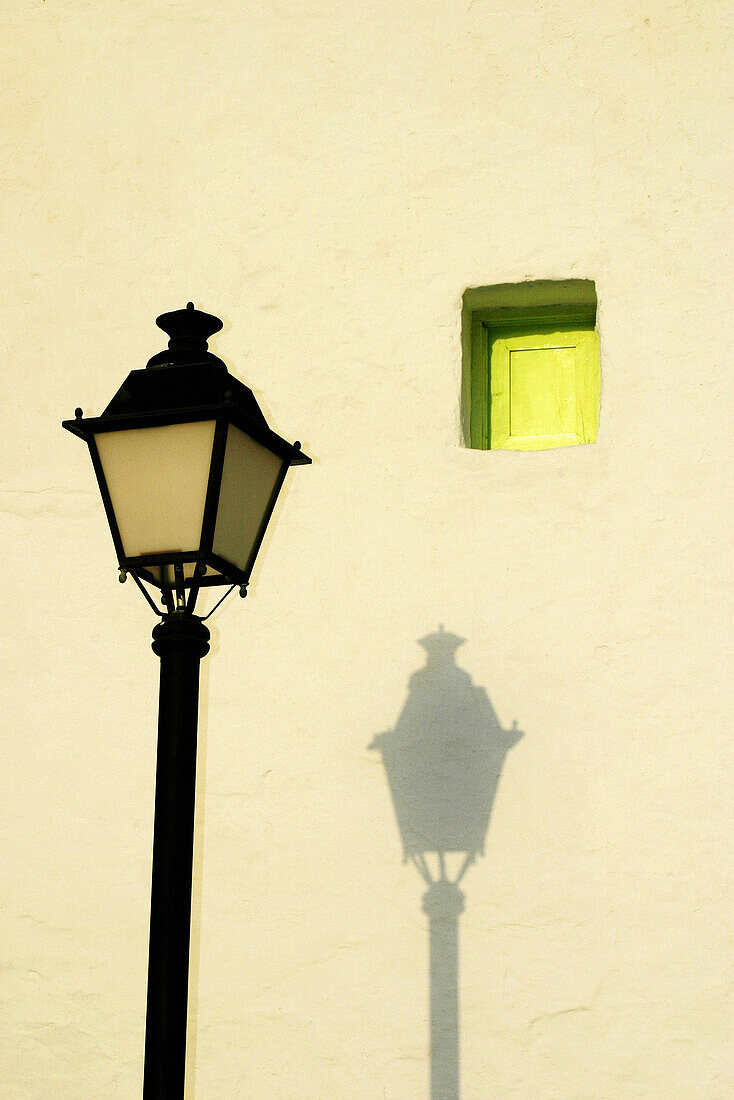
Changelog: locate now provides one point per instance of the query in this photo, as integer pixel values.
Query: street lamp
(189, 473)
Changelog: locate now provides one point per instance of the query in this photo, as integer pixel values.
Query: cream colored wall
(329, 177)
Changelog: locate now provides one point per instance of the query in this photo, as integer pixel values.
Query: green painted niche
(530, 365)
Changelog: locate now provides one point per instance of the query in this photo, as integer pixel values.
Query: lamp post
(189, 473)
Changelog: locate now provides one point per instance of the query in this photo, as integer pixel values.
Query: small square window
(531, 365)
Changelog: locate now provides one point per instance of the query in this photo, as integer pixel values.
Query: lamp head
(188, 468)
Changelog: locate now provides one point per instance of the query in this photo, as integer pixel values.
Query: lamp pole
(189, 472)
(180, 640)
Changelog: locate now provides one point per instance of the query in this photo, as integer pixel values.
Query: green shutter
(543, 389)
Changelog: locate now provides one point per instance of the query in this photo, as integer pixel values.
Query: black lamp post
(189, 473)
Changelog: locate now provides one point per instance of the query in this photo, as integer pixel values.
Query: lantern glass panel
(157, 480)
(249, 476)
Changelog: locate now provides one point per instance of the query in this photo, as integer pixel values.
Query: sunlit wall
(329, 176)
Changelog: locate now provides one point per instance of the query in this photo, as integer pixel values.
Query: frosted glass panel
(248, 479)
(157, 480)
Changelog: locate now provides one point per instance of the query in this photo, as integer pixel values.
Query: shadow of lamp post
(189, 473)
(443, 762)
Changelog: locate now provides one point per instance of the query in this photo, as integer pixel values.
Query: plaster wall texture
(329, 178)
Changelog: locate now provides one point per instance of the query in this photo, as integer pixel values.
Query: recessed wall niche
(531, 369)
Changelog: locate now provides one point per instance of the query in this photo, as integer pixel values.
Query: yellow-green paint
(531, 365)
(544, 389)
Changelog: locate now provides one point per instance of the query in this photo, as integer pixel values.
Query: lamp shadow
(443, 762)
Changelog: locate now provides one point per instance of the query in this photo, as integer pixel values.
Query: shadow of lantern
(443, 762)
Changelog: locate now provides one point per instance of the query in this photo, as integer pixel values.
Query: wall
(329, 178)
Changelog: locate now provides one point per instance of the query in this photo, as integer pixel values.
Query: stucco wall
(329, 177)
